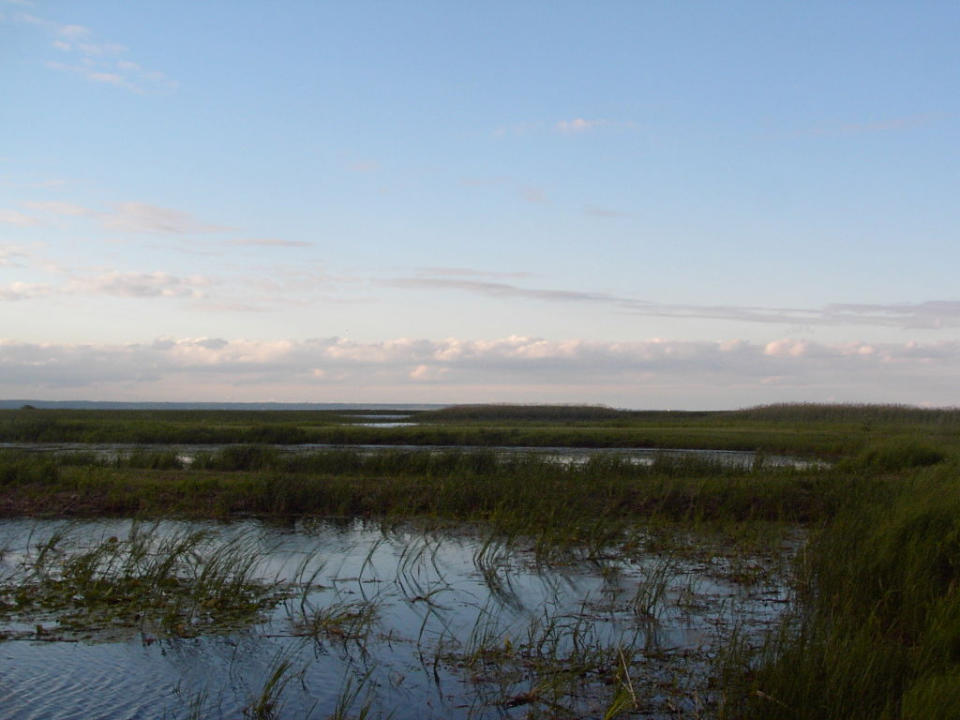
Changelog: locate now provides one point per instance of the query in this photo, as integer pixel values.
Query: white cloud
(427, 373)
(786, 348)
(648, 373)
(13, 217)
(96, 61)
(579, 125)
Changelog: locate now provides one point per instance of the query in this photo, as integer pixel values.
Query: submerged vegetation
(872, 629)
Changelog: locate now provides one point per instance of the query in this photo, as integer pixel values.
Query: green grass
(828, 431)
(876, 633)
(473, 486)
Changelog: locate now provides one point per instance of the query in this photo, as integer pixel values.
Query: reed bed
(513, 490)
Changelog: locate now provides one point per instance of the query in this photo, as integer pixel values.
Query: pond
(114, 619)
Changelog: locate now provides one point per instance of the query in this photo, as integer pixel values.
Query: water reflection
(410, 622)
(743, 459)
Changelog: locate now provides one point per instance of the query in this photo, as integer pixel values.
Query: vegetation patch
(161, 584)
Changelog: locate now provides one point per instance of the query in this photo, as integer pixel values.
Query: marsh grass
(177, 584)
(875, 632)
(519, 491)
(872, 631)
(810, 429)
(268, 702)
(341, 622)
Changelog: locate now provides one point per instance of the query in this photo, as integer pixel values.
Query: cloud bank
(650, 373)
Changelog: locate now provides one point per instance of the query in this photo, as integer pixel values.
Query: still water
(564, 455)
(400, 621)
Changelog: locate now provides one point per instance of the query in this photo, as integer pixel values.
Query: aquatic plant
(151, 581)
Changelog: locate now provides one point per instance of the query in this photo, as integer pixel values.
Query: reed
(876, 629)
(169, 583)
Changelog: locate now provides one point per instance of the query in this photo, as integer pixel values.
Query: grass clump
(166, 583)
(900, 455)
(876, 633)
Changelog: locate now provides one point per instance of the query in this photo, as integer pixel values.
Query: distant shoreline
(116, 405)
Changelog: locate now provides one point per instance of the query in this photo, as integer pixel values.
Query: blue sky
(686, 205)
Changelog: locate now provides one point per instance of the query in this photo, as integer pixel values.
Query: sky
(680, 205)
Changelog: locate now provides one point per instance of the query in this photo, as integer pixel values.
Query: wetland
(480, 561)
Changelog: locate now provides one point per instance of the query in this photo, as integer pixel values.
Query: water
(413, 623)
(564, 455)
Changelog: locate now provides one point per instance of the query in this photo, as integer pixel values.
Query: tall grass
(514, 490)
(876, 632)
(171, 583)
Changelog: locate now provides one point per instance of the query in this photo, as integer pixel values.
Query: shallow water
(457, 624)
(564, 455)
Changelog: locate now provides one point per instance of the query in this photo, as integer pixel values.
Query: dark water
(440, 600)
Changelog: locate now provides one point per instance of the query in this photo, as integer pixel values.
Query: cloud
(144, 285)
(499, 289)
(926, 315)
(59, 208)
(427, 373)
(10, 256)
(469, 272)
(73, 31)
(579, 125)
(13, 217)
(574, 126)
(98, 76)
(140, 285)
(138, 217)
(96, 61)
(269, 242)
(22, 291)
(729, 373)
